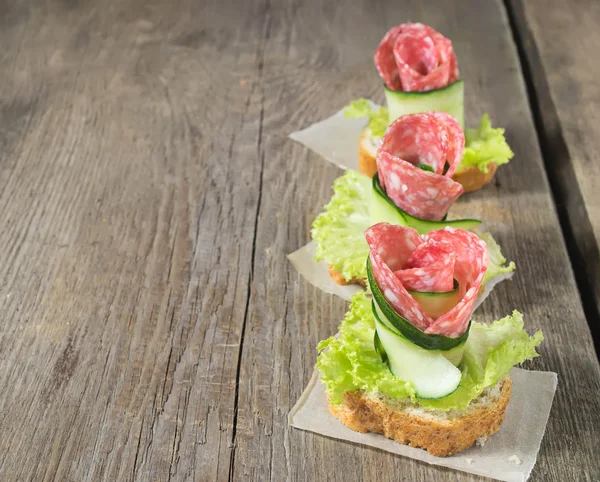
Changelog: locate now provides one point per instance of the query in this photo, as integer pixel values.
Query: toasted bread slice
(339, 279)
(440, 433)
(367, 153)
(471, 179)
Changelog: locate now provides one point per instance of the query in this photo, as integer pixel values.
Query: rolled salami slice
(402, 260)
(390, 247)
(430, 268)
(413, 57)
(431, 139)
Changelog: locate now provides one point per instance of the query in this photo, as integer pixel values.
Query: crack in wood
(584, 254)
(260, 152)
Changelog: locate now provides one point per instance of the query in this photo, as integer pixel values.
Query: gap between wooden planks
(558, 46)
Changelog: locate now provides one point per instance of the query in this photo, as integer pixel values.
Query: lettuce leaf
(378, 119)
(483, 146)
(339, 230)
(497, 264)
(349, 361)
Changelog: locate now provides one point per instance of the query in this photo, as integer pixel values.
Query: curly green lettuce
(497, 265)
(349, 361)
(339, 230)
(378, 118)
(484, 145)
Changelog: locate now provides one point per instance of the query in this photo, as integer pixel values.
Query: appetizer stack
(408, 361)
(412, 186)
(420, 71)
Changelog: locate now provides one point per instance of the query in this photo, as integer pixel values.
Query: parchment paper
(335, 138)
(520, 435)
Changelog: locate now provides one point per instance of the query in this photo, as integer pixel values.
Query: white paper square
(335, 138)
(520, 435)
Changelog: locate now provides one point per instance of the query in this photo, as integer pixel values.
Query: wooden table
(152, 327)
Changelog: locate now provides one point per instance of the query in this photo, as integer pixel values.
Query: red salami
(432, 139)
(401, 260)
(456, 141)
(391, 247)
(430, 268)
(472, 259)
(413, 57)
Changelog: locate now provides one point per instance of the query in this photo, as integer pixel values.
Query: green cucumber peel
(384, 209)
(425, 167)
(448, 99)
(379, 348)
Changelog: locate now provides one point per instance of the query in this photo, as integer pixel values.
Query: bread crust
(471, 179)
(367, 164)
(339, 279)
(439, 436)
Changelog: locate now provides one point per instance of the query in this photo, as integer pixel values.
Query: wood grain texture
(128, 175)
(148, 196)
(561, 42)
(328, 63)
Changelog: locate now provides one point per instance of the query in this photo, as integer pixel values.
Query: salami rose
(413, 57)
(403, 260)
(433, 140)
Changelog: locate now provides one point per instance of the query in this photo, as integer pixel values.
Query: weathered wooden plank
(560, 42)
(128, 194)
(316, 58)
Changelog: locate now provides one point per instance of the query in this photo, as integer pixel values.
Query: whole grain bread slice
(339, 279)
(440, 433)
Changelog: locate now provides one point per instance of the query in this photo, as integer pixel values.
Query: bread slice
(471, 179)
(367, 153)
(339, 279)
(440, 433)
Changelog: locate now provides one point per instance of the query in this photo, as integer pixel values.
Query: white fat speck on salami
(413, 57)
(401, 260)
(426, 138)
(456, 140)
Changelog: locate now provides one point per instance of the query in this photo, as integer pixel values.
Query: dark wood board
(560, 43)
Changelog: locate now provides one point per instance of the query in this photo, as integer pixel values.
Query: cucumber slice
(436, 304)
(425, 167)
(379, 348)
(449, 99)
(453, 355)
(404, 327)
(432, 375)
(383, 209)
